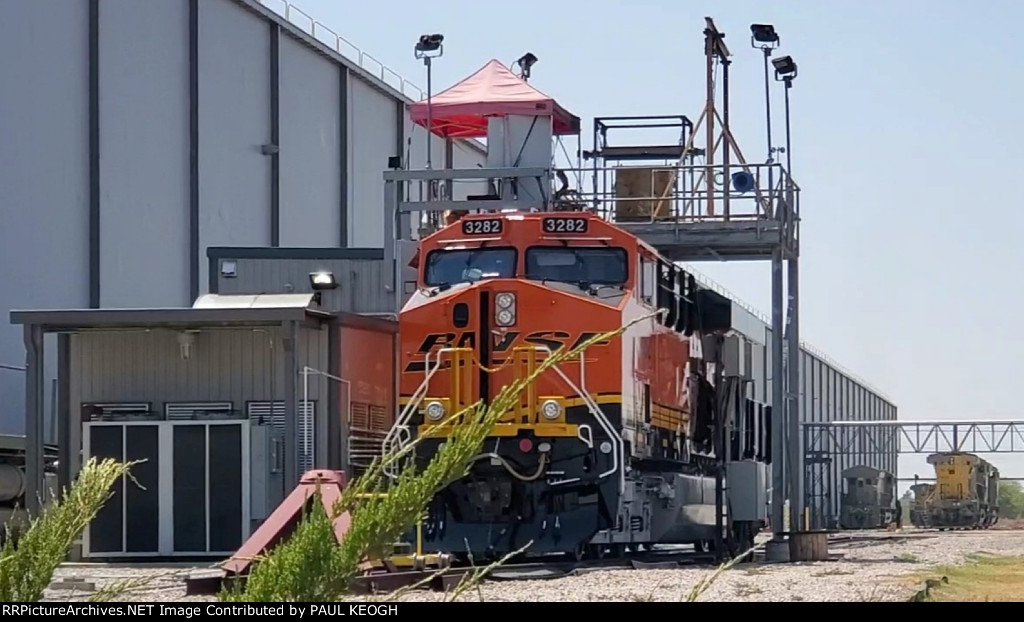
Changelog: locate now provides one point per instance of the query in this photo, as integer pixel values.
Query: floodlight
(764, 34)
(785, 68)
(525, 62)
(429, 43)
(322, 280)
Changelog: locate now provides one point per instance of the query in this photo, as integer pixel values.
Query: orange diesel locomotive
(608, 451)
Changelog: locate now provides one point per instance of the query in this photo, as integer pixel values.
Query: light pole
(428, 48)
(764, 37)
(785, 72)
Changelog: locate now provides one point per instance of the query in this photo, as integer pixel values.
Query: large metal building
(139, 134)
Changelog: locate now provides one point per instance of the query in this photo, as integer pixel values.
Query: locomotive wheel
(616, 551)
(578, 552)
(597, 551)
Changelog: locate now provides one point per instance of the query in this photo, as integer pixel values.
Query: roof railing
(299, 18)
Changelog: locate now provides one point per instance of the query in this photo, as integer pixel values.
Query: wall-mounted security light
(269, 149)
(186, 340)
(322, 280)
(229, 268)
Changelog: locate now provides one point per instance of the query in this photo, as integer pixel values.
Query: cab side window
(647, 280)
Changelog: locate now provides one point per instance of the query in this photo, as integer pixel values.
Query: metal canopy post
(34, 385)
(291, 412)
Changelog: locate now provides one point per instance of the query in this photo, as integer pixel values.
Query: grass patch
(984, 578)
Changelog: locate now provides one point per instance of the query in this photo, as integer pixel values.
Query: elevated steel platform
(713, 241)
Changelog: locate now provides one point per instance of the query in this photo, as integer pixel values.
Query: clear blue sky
(906, 135)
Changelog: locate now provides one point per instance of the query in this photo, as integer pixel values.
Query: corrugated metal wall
(139, 133)
(827, 393)
(361, 281)
(226, 365)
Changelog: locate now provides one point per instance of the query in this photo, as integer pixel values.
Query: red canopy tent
(461, 111)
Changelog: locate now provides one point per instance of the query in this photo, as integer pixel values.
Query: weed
(27, 568)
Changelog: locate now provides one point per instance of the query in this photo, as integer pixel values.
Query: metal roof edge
(100, 318)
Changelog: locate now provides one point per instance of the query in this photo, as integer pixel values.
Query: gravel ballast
(873, 567)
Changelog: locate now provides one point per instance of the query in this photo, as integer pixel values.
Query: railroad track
(448, 578)
(555, 567)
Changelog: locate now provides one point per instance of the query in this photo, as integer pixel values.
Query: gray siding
(361, 281)
(226, 365)
(373, 138)
(310, 147)
(44, 174)
(144, 142)
(234, 122)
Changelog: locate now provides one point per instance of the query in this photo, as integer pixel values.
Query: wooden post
(808, 546)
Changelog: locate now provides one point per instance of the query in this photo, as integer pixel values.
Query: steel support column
(778, 423)
(794, 414)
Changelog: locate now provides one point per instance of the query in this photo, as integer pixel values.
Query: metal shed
(204, 395)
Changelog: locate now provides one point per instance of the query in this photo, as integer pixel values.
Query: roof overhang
(71, 320)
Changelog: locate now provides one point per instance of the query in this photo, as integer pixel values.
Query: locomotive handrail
(410, 407)
(618, 447)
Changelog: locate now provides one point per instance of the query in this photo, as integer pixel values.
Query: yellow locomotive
(965, 494)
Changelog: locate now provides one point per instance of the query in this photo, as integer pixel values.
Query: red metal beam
(287, 515)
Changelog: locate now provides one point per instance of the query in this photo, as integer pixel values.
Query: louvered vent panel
(378, 419)
(273, 412)
(267, 413)
(360, 417)
(187, 411)
(117, 412)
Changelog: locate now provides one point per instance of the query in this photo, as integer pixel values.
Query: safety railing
(681, 193)
(524, 363)
(302, 20)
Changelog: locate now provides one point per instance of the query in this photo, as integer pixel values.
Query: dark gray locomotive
(868, 499)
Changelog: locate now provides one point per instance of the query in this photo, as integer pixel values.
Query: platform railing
(669, 193)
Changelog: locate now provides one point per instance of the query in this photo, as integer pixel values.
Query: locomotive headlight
(551, 409)
(505, 317)
(435, 410)
(505, 309)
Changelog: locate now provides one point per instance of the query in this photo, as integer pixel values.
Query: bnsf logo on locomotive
(500, 344)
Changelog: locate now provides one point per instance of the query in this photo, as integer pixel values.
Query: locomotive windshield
(595, 266)
(447, 267)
